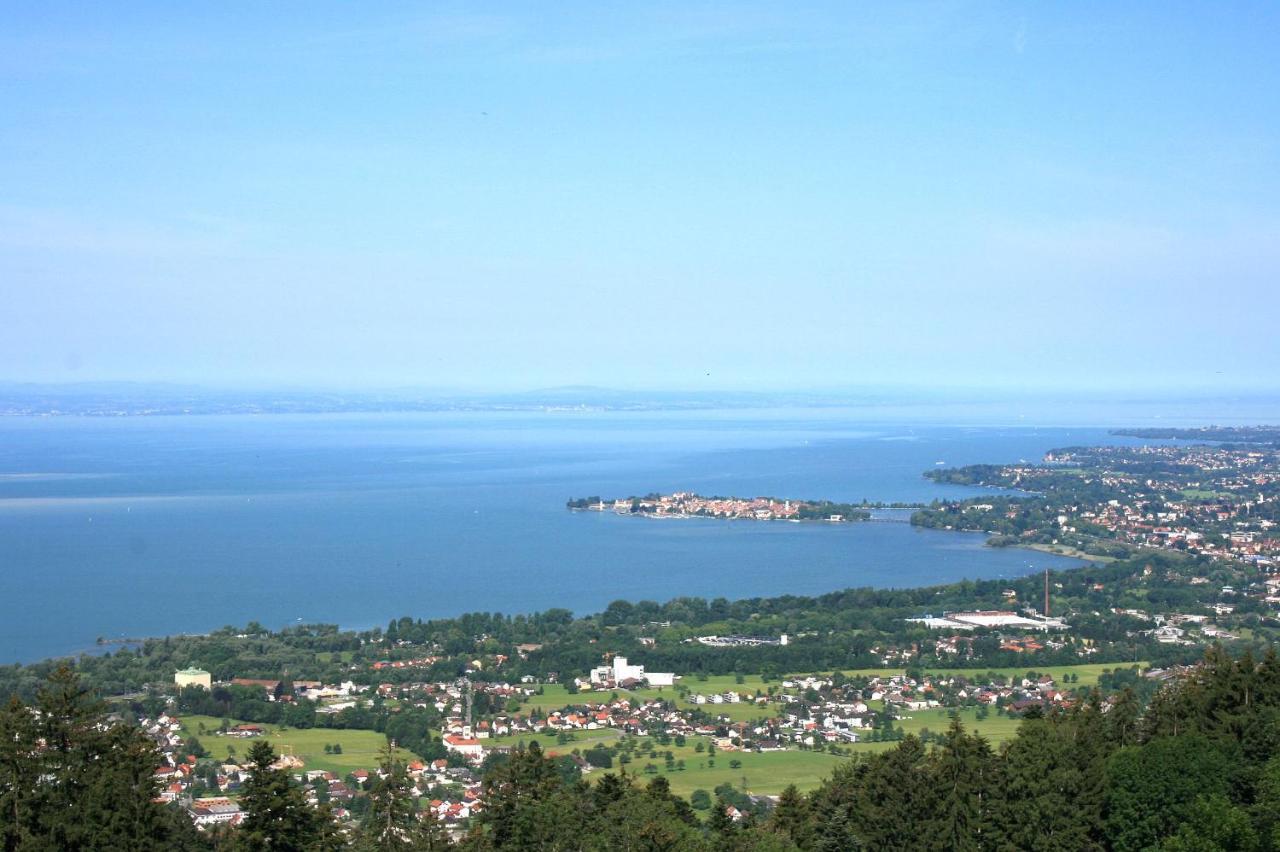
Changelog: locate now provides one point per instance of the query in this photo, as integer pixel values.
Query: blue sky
(683, 195)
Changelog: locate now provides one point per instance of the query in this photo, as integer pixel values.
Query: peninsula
(684, 504)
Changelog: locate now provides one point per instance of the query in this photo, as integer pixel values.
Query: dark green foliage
(276, 815)
(71, 780)
(1151, 788)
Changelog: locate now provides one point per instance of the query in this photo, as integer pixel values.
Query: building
(620, 671)
(193, 677)
(213, 811)
(989, 619)
(468, 747)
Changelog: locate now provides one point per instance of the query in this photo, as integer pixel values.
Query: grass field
(359, 748)
(548, 742)
(765, 773)
(1088, 672)
(768, 773)
(555, 696)
(995, 728)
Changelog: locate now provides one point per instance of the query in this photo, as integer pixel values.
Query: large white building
(193, 677)
(620, 670)
(989, 619)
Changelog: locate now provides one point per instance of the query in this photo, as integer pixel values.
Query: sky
(676, 195)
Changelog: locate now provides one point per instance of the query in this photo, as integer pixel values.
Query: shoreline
(1067, 551)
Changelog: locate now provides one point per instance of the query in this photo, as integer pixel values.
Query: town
(683, 504)
(1218, 501)
(618, 716)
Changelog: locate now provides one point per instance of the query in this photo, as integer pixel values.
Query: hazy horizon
(696, 196)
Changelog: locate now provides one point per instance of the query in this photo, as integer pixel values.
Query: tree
(719, 823)
(391, 822)
(1049, 785)
(1151, 788)
(1213, 825)
(19, 773)
(790, 816)
(700, 799)
(70, 778)
(528, 803)
(961, 775)
(277, 818)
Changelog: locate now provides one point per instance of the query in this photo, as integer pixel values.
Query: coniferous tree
(890, 784)
(391, 823)
(1047, 789)
(961, 775)
(790, 815)
(70, 778)
(277, 818)
(19, 773)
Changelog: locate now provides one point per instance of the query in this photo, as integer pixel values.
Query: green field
(770, 772)
(766, 773)
(554, 697)
(549, 742)
(1088, 672)
(995, 728)
(1202, 494)
(360, 749)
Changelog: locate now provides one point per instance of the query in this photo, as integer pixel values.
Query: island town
(683, 504)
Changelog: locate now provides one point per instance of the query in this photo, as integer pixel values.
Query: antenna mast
(467, 721)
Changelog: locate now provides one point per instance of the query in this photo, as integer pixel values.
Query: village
(684, 504)
(621, 717)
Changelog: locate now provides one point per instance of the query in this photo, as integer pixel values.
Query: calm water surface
(145, 526)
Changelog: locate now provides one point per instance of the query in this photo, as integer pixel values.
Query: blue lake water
(145, 526)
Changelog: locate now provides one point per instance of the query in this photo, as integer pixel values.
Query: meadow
(360, 749)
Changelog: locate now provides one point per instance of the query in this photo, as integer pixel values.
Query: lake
(140, 526)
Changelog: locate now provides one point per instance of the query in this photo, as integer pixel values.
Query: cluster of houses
(806, 712)
(685, 504)
(455, 792)
(1179, 628)
(1230, 526)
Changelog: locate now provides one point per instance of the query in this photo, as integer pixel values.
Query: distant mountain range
(115, 399)
(130, 399)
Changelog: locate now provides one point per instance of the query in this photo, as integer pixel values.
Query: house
(468, 747)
